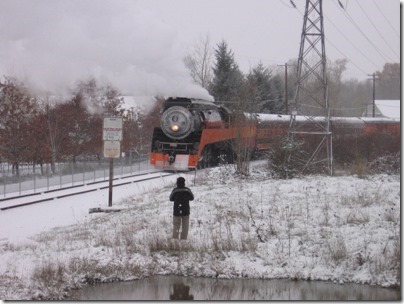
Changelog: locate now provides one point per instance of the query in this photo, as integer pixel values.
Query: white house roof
(384, 108)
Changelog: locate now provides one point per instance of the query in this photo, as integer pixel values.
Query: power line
(348, 16)
(346, 38)
(394, 30)
(350, 42)
(293, 5)
(353, 63)
(342, 53)
(377, 30)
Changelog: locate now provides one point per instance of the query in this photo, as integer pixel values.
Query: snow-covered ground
(342, 229)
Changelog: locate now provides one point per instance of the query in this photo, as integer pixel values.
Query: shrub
(359, 167)
(49, 279)
(337, 248)
(286, 158)
(389, 164)
(374, 153)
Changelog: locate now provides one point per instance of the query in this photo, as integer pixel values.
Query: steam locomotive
(195, 133)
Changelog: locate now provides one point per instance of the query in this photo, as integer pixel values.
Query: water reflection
(181, 292)
(189, 288)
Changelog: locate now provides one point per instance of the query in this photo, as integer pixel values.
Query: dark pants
(179, 221)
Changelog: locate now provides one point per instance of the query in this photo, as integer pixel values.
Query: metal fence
(33, 179)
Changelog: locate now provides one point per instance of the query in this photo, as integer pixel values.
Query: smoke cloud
(52, 44)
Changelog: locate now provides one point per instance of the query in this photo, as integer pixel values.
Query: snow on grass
(342, 229)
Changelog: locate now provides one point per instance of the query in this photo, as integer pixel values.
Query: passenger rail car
(196, 133)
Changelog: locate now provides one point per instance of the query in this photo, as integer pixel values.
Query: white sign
(112, 129)
(112, 149)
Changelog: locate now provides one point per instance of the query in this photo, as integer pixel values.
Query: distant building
(384, 108)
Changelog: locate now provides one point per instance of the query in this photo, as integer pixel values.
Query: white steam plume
(55, 43)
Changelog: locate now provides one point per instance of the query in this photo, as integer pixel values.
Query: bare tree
(335, 72)
(245, 126)
(388, 84)
(199, 61)
(18, 109)
(54, 119)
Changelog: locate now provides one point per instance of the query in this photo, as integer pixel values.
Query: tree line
(47, 129)
(263, 89)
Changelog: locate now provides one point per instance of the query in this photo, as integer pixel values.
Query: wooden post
(374, 93)
(112, 137)
(286, 87)
(111, 177)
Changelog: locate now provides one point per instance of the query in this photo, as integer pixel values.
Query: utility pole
(374, 91)
(286, 86)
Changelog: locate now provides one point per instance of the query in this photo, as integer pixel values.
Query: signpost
(112, 136)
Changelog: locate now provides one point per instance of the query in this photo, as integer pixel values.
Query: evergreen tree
(228, 79)
(259, 87)
(265, 91)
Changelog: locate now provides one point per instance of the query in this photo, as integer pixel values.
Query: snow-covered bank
(343, 229)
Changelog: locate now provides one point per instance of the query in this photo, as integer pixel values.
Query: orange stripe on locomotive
(258, 133)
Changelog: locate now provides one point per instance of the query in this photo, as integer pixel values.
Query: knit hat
(180, 182)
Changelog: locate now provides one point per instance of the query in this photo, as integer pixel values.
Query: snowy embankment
(342, 229)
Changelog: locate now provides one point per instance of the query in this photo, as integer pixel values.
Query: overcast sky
(139, 45)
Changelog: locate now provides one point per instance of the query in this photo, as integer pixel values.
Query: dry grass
(337, 248)
(357, 217)
(280, 229)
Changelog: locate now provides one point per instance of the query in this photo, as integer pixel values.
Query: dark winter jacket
(181, 197)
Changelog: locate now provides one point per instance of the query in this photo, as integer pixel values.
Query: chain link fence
(34, 179)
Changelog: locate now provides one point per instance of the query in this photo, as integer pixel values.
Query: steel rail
(17, 205)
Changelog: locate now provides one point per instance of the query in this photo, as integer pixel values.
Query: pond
(192, 288)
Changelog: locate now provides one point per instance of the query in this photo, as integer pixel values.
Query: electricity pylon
(311, 99)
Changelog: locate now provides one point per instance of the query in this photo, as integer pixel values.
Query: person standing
(181, 196)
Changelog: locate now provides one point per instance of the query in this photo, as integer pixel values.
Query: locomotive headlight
(177, 122)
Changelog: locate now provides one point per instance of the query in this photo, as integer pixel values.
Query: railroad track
(49, 195)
